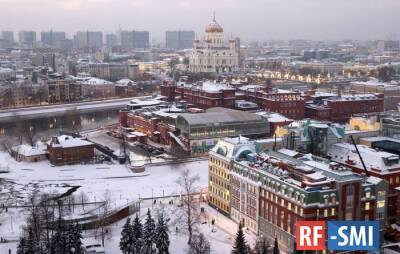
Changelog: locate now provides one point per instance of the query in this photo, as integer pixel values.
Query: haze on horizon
(250, 20)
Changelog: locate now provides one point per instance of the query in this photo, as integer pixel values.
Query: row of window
(220, 163)
(291, 207)
(219, 204)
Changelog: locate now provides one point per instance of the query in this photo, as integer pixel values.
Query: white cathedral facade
(214, 56)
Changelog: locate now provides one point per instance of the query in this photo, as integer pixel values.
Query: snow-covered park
(120, 185)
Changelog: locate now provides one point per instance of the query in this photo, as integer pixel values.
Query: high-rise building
(388, 45)
(27, 38)
(179, 39)
(7, 35)
(111, 40)
(135, 39)
(127, 39)
(88, 39)
(51, 38)
(141, 39)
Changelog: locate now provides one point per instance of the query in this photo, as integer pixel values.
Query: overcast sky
(248, 19)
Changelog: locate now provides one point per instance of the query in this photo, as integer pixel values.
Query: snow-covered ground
(221, 236)
(121, 185)
(95, 180)
(136, 153)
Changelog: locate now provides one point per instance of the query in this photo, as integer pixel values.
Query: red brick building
(207, 95)
(379, 164)
(156, 124)
(202, 95)
(339, 109)
(68, 150)
(167, 89)
(270, 192)
(287, 103)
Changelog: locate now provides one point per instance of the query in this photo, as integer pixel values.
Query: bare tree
(24, 130)
(7, 144)
(83, 198)
(199, 245)
(190, 214)
(104, 212)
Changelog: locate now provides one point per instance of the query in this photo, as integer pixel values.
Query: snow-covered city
(199, 127)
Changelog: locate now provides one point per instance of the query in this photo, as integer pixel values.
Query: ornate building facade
(214, 56)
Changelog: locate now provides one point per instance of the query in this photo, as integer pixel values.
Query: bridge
(61, 109)
(306, 79)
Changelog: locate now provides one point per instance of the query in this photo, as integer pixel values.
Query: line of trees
(46, 231)
(147, 238)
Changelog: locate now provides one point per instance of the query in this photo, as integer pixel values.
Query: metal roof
(221, 116)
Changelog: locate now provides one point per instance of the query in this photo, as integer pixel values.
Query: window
(325, 212)
(367, 206)
(368, 194)
(381, 193)
(381, 203)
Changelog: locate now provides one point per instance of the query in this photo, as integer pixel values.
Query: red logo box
(310, 235)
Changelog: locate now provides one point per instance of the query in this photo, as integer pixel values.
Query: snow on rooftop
(274, 117)
(288, 152)
(349, 97)
(66, 141)
(95, 81)
(125, 82)
(214, 87)
(374, 83)
(27, 150)
(374, 159)
(374, 180)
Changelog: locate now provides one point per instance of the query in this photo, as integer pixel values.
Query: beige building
(323, 67)
(214, 56)
(391, 92)
(95, 88)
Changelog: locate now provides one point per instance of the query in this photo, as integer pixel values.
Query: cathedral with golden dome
(214, 56)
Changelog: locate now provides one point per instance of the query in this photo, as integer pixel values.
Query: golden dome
(214, 27)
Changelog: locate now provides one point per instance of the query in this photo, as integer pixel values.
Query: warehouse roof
(220, 115)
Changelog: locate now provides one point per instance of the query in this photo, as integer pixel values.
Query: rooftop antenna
(214, 16)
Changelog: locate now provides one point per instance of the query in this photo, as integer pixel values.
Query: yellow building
(219, 167)
(364, 124)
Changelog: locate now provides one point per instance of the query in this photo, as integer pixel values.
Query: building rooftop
(207, 86)
(125, 82)
(67, 141)
(377, 83)
(274, 117)
(355, 97)
(27, 150)
(95, 81)
(374, 159)
(220, 116)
